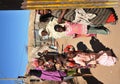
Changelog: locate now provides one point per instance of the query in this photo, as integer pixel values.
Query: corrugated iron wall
(66, 4)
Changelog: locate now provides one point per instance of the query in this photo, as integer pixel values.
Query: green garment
(98, 30)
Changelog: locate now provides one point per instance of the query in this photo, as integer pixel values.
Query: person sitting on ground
(42, 64)
(105, 58)
(47, 75)
(44, 33)
(46, 36)
(44, 15)
(56, 57)
(66, 14)
(57, 75)
(85, 59)
(71, 29)
(46, 55)
(77, 30)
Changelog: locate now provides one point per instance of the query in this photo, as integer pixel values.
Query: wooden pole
(12, 78)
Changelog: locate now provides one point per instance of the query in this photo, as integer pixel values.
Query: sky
(13, 42)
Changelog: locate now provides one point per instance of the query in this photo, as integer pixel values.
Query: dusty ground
(105, 75)
(101, 74)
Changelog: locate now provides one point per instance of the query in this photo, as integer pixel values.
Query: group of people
(77, 22)
(61, 67)
(73, 23)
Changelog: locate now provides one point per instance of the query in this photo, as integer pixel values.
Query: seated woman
(47, 75)
(47, 37)
(53, 57)
(105, 58)
(77, 30)
(66, 14)
(44, 33)
(85, 59)
(42, 64)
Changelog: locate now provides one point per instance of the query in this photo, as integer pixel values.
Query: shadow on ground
(89, 79)
(82, 47)
(99, 46)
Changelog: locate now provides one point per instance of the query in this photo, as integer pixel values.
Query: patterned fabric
(102, 14)
(69, 16)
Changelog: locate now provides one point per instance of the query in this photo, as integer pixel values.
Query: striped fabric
(69, 16)
(102, 15)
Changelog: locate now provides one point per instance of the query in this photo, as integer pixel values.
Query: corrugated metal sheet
(62, 4)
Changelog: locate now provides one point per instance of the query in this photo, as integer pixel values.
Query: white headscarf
(40, 31)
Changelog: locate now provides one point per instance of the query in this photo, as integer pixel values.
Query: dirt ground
(101, 74)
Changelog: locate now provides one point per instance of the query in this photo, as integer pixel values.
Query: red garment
(36, 64)
(71, 64)
(111, 18)
(66, 49)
